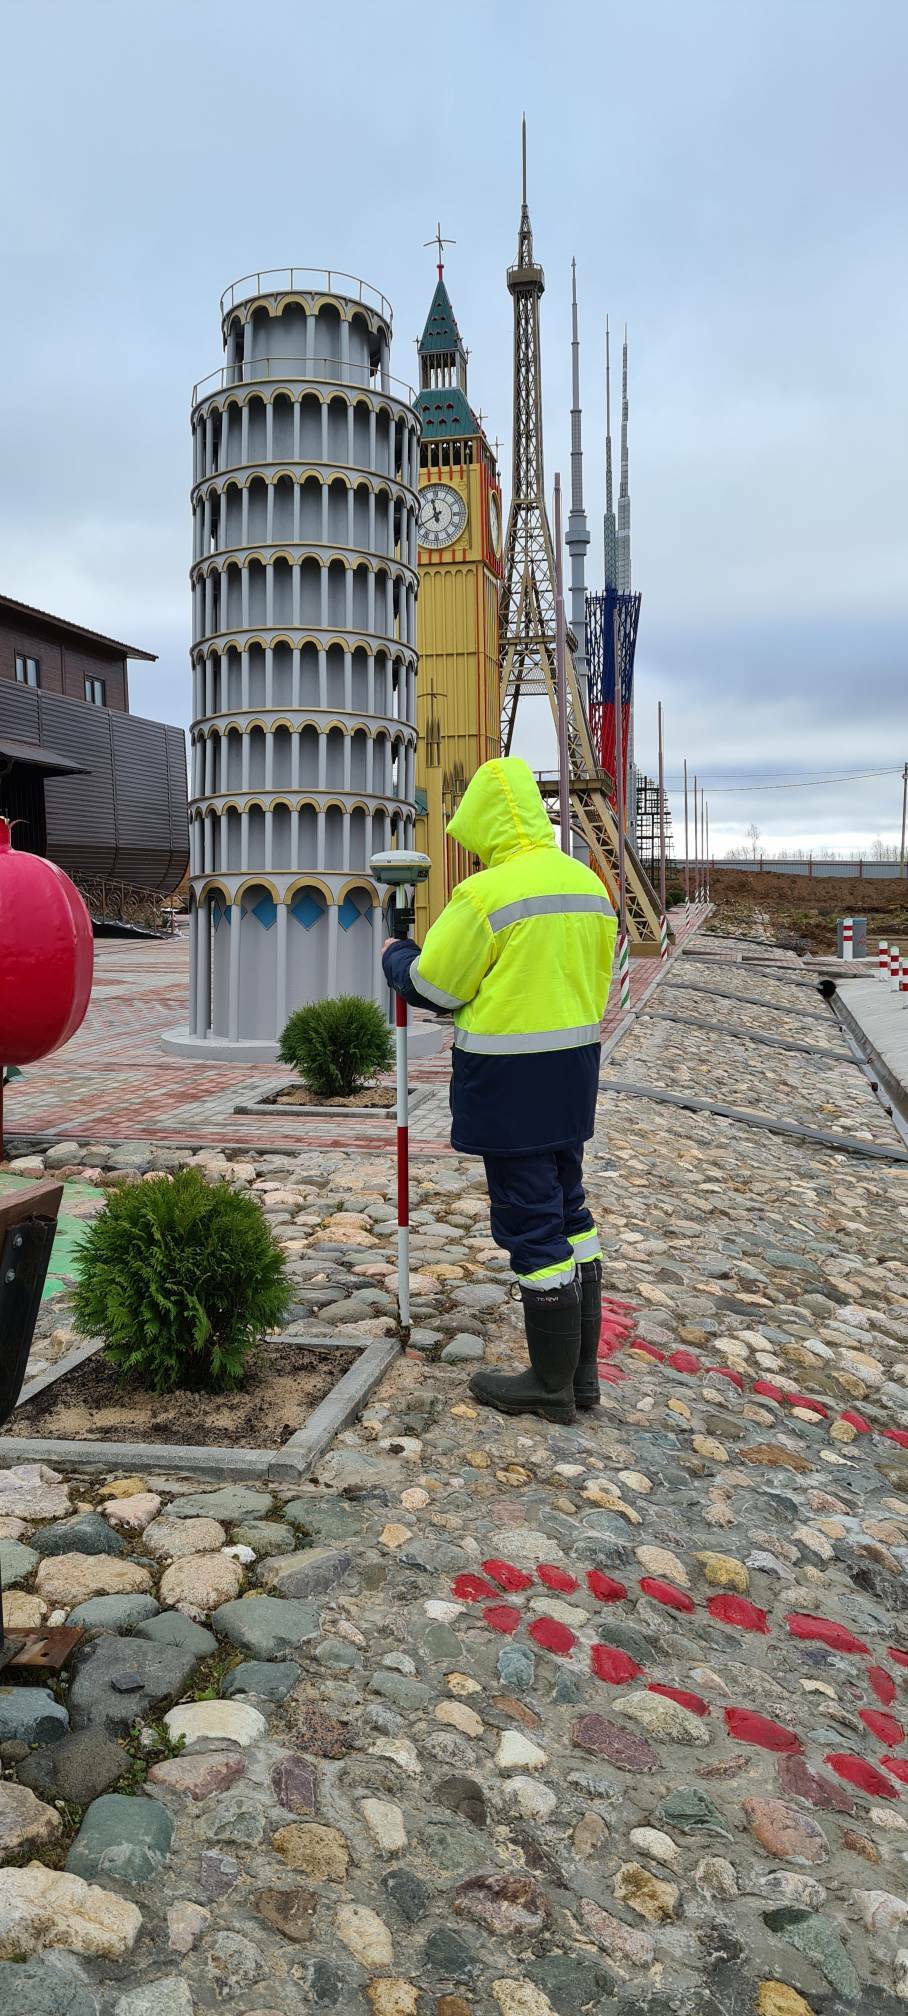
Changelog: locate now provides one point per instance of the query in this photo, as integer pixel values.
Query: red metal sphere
(46, 955)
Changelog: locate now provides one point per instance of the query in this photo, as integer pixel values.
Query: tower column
(242, 979)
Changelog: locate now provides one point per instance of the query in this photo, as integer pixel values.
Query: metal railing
(304, 280)
(322, 370)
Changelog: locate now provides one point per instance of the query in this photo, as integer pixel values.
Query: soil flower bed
(282, 1386)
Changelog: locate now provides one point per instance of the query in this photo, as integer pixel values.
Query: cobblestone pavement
(493, 1718)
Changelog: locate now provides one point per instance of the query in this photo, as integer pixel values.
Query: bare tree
(753, 839)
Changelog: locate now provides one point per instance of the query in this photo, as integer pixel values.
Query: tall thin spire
(609, 529)
(624, 495)
(577, 537)
(523, 149)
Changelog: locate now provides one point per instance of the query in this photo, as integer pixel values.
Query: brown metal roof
(77, 629)
(40, 758)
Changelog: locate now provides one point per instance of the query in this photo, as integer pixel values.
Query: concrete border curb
(267, 1108)
(289, 1464)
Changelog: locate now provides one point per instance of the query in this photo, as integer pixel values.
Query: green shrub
(180, 1277)
(337, 1045)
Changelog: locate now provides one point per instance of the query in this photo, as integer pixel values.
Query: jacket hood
(501, 812)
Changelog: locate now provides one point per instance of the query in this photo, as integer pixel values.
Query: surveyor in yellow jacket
(522, 957)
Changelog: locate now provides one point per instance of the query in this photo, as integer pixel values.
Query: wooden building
(95, 788)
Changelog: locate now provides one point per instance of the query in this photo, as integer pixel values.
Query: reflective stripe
(549, 1277)
(526, 1042)
(431, 992)
(586, 1245)
(549, 906)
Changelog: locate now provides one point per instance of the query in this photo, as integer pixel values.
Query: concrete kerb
(290, 1464)
(889, 1089)
(267, 1108)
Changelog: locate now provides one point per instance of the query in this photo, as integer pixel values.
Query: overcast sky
(731, 175)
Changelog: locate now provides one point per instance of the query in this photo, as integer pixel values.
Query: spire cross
(439, 242)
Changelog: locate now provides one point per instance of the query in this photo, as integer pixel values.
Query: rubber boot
(552, 1320)
(586, 1377)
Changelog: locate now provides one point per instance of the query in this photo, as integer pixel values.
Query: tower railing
(304, 280)
(324, 370)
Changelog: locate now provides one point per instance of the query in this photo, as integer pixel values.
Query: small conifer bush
(180, 1277)
(336, 1046)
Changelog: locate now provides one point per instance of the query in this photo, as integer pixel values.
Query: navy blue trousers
(539, 1213)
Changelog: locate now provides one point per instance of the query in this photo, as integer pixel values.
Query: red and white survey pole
(400, 870)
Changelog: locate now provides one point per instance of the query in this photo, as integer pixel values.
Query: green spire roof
(441, 333)
(445, 412)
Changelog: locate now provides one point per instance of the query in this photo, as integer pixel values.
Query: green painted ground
(70, 1227)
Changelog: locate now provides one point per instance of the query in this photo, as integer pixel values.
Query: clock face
(442, 515)
(495, 522)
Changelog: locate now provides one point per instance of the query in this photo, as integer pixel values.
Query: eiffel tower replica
(528, 663)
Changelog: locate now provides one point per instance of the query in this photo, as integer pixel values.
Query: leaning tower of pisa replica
(305, 469)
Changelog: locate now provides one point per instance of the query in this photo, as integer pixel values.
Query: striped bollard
(687, 913)
(624, 970)
(663, 936)
(894, 968)
(903, 984)
(883, 959)
(847, 937)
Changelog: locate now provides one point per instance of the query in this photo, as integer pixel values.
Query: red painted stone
(604, 1588)
(898, 1766)
(865, 1776)
(856, 1421)
(886, 1727)
(803, 1400)
(552, 1636)
(611, 1375)
(507, 1576)
(747, 1727)
(684, 1361)
(883, 1684)
(502, 1617)
(901, 1658)
(648, 1350)
(738, 1611)
(666, 1592)
(725, 1372)
(768, 1390)
(616, 1667)
(824, 1632)
(694, 1703)
(472, 1588)
(899, 1435)
(557, 1578)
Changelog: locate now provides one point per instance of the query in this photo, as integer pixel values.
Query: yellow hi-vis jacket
(522, 956)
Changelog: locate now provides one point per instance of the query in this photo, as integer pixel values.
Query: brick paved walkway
(114, 1083)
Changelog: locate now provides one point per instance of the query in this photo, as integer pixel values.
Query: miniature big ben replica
(458, 709)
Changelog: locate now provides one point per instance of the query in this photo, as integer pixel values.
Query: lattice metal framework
(528, 663)
(648, 826)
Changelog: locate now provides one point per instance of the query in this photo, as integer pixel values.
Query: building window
(95, 691)
(27, 670)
